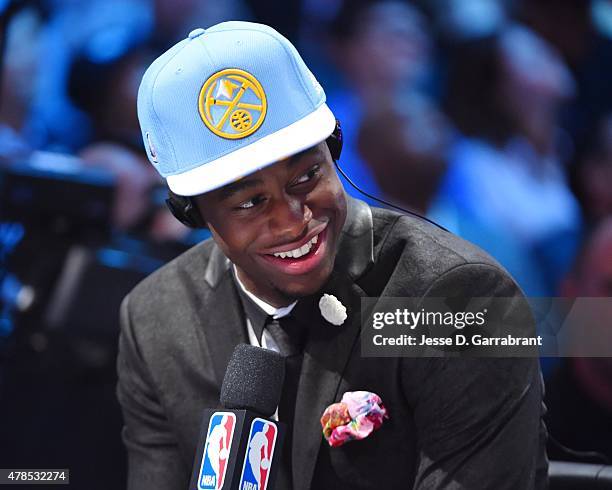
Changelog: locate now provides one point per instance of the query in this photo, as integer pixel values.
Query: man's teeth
(298, 252)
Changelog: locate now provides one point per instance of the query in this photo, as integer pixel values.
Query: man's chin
(298, 287)
(297, 293)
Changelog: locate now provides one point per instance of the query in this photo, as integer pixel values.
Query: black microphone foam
(253, 380)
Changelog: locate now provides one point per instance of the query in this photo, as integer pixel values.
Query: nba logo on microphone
(216, 451)
(258, 459)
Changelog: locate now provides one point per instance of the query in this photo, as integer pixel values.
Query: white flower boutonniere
(332, 309)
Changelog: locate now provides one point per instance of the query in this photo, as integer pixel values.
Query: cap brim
(299, 136)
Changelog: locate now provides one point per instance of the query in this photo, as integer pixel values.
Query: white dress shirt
(267, 342)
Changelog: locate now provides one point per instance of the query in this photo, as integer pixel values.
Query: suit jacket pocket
(380, 460)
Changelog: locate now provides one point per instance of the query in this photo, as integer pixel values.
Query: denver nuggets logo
(232, 104)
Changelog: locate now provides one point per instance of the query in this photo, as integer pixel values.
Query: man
(238, 126)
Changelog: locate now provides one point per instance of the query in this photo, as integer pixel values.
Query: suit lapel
(329, 347)
(223, 313)
(356, 250)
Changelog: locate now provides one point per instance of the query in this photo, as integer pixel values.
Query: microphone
(240, 447)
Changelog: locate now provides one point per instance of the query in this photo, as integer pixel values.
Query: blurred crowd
(492, 117)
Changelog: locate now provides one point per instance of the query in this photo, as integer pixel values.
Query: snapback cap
(225, 102)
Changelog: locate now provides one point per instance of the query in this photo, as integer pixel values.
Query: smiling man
(282, 246)
(238, 126)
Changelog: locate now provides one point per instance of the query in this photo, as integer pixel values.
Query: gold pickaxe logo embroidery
(232, 103)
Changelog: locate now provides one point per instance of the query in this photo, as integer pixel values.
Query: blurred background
(493, 117)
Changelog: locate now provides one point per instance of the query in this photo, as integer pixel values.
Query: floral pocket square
(355, 417)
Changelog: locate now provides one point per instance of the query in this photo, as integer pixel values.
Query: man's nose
(290, 217)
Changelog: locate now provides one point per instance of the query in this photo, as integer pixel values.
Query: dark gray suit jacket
(454, 422)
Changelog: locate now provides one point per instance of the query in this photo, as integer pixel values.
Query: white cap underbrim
(298, 136)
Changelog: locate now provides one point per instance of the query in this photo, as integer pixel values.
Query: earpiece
(334, 142)
(184, 209)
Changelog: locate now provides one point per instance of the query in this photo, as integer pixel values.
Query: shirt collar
(256, 309)
(266, 307)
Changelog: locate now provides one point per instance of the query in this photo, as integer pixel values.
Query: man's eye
(308, 176)
(251, 203)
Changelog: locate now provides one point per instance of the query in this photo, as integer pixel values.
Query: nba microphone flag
(257, 463)
(238, 453)
(239, 447)
(216, 450)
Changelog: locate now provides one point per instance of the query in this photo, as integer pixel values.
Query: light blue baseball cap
(225, 102)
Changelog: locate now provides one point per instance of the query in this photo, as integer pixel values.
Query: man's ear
(185, 209)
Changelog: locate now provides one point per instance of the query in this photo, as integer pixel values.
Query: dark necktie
(286, 334)
(289, 336)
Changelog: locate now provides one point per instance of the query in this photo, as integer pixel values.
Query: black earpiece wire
(382, 201)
